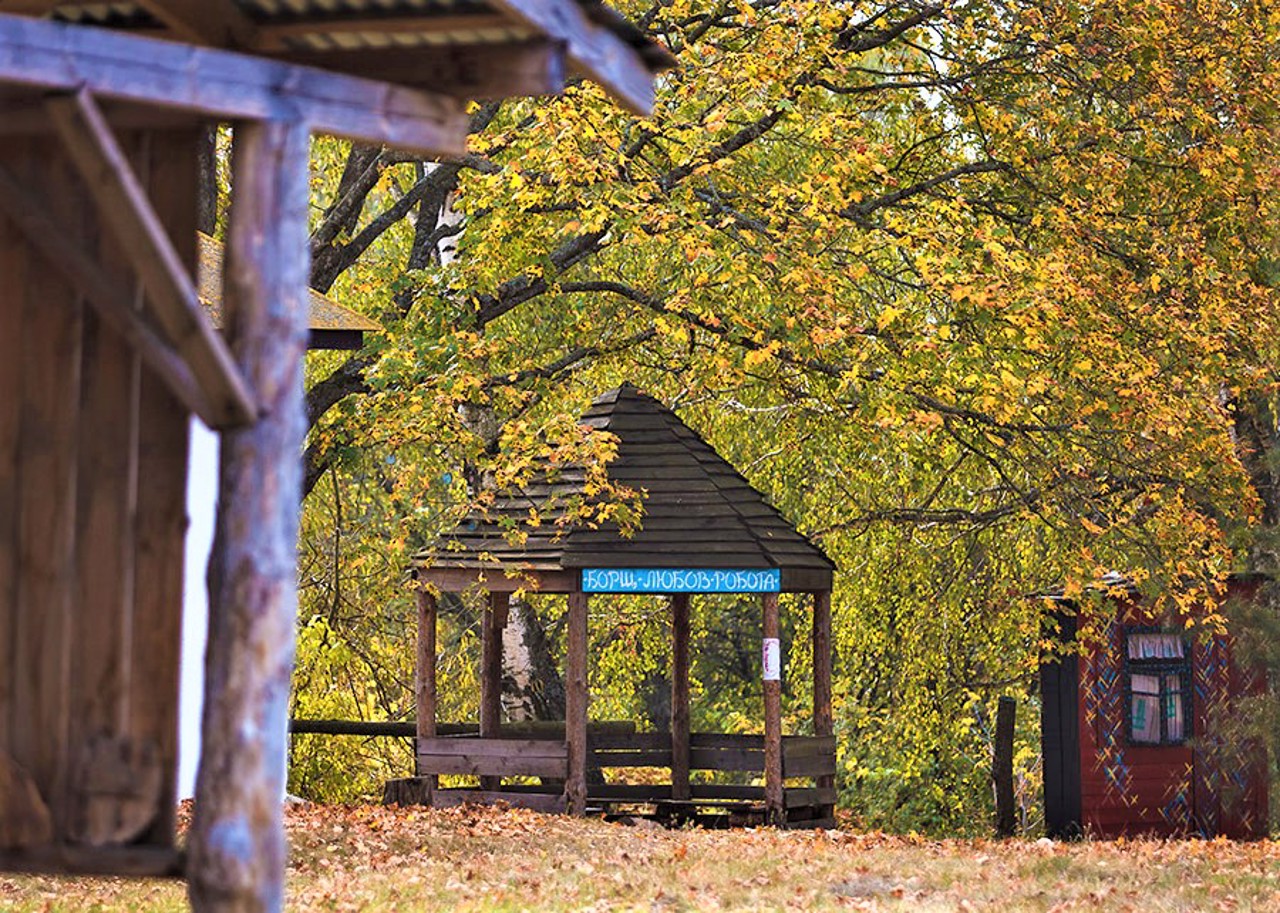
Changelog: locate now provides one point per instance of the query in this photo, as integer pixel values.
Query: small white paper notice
(771, 657)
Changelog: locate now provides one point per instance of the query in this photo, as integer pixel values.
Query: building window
(1158, 686)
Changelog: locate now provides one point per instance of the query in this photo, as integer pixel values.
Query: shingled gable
(699, 512)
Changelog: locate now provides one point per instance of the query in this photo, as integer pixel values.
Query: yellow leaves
(886, 317)
(756, 357)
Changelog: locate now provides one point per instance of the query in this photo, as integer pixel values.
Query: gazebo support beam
(575, 702)
(822, 719)
(237, 846)
(773, 800)
(680, 696)
(425, 691)
(495, 619)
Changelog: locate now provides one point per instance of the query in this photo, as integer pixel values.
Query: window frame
(1159, 667)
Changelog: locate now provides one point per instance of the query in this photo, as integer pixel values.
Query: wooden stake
(1002, 767)
(237, 847)
(773, 802)
(575, 702)
(822, 720)
(495, 619)
(426, 691)
(680, 696)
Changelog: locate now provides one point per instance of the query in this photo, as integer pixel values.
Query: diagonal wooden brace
(171, 292)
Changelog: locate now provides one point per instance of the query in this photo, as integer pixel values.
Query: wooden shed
(1135, 729)
(105, 352)
(704, 530)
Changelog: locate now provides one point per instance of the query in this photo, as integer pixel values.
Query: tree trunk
(532, 688)
(237, 847)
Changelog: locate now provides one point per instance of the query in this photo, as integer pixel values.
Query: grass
(373, 858)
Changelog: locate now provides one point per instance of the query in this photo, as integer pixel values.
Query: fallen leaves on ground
(372, 858)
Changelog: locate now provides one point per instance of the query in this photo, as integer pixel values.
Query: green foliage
(975, 292)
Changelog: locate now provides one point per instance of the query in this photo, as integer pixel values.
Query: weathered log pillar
(680, 696)
(575, 700)
(237, 846)
(772, 675)
(495, 619)
(822, 718)
(425, 714)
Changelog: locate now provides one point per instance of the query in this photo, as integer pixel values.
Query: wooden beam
(237, 841)
(458, 580)
(775, 812)
(41, 739)
(680, 696)
(28, 7)
(223, 85)
(118, 862)
(594, 51)
(163, 446)
(27, 116)
(471, 72)
(1002, 767)
(425, 691)
(280, 36)
(213, 22)
(114, 305)
(822, 656)
(124, 208)
(495, 619)
(575, 702)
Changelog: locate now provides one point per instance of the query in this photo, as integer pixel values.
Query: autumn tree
(981, 293)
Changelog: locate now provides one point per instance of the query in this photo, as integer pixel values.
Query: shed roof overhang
(393, 73)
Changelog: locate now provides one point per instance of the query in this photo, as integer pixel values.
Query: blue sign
(680, 580)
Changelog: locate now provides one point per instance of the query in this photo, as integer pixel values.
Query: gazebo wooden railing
(547, 758)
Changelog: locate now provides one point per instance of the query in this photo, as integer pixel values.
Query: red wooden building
(1134, 731)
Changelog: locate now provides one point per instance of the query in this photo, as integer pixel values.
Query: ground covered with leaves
(375, 858)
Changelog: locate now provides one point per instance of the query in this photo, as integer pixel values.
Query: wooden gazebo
(704, 530)
(105, 352)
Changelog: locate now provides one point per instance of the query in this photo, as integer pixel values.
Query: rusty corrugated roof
(355, 25)
(325, 313)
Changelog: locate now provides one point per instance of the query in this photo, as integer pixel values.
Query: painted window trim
(1158, 667)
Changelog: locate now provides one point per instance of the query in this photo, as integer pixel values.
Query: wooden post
(822, 720)
(237, 846)
(680, 696)
(773, 802)
(575, 702)
(426, 684)
(495, 619)
(1002, 768)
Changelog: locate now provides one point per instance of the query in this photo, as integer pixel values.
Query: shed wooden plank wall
(92, 516)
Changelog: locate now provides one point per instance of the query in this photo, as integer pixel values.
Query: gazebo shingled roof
(698, 511)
